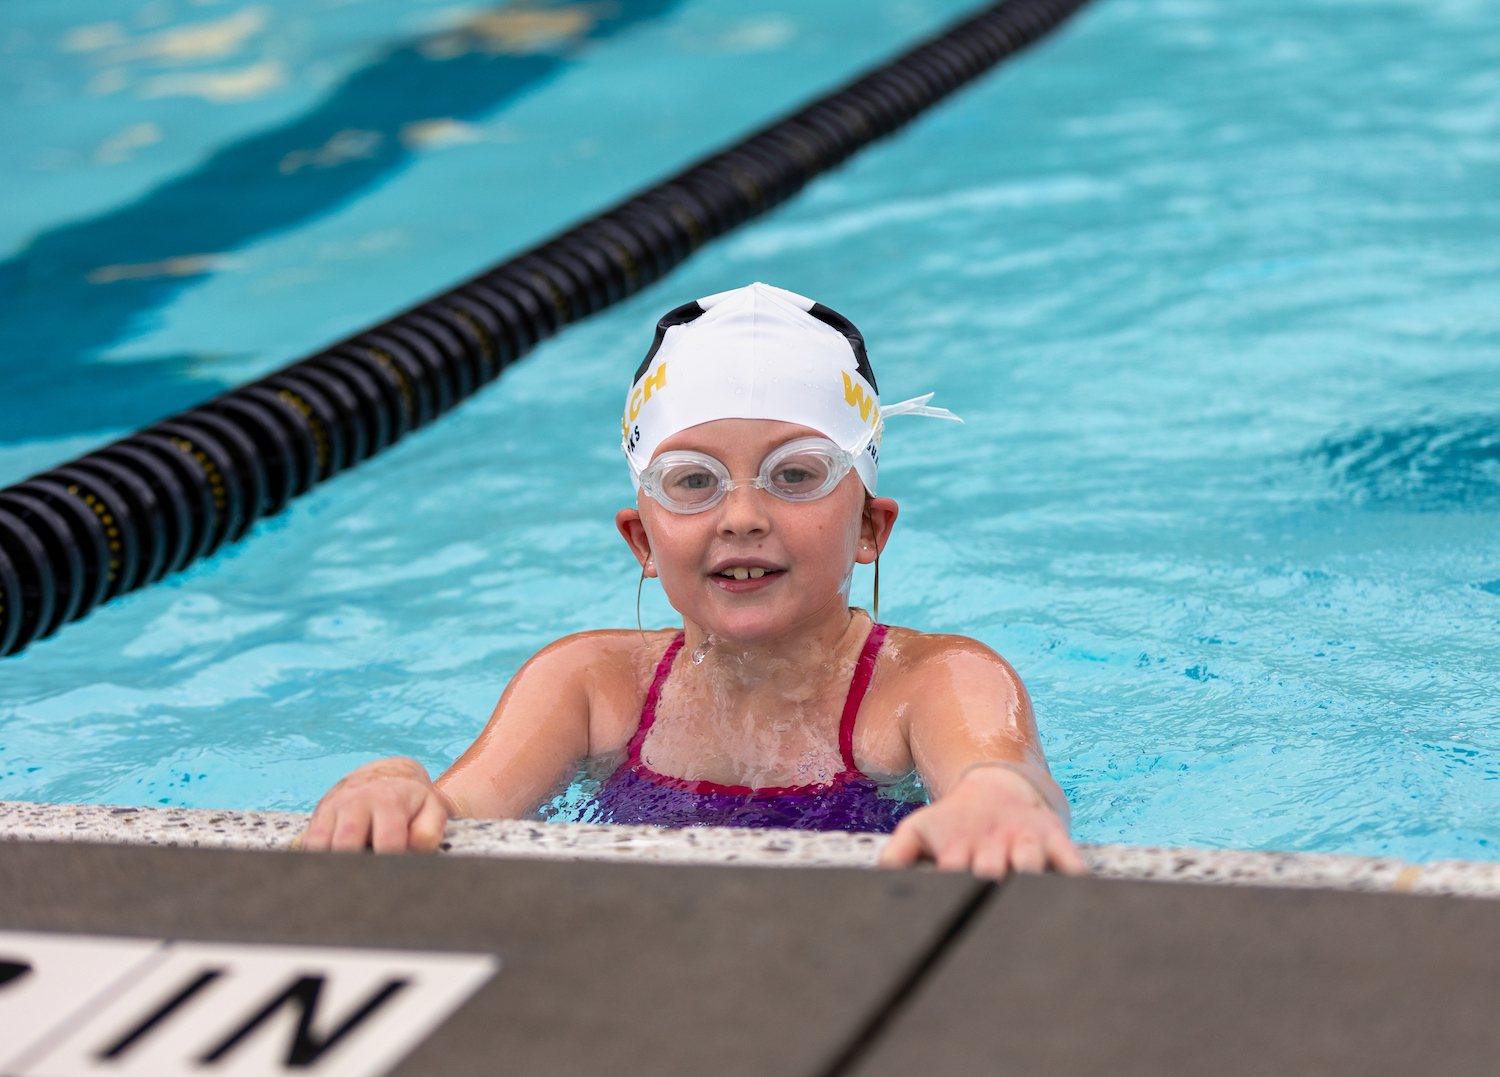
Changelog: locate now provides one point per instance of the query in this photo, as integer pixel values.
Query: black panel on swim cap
(678, 316)
(691, 311)
(855, 338)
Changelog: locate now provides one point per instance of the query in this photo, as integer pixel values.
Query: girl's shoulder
(625, 657)
(909, 654)
(912, 644)
(938, 677)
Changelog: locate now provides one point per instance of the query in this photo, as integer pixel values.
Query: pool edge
(264, 830)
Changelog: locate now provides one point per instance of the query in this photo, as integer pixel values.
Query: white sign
(84, 1006)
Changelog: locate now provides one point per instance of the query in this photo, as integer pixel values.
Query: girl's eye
(799, 473)
(695, 481)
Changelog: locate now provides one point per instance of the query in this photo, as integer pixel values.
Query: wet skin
(762, 708)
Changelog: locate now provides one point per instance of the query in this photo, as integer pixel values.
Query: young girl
(752, 430)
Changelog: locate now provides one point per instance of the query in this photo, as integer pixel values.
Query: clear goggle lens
(801, 470)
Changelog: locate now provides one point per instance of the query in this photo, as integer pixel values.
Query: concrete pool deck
(195, 828)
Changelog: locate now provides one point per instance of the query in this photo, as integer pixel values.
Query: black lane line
(866, 1037)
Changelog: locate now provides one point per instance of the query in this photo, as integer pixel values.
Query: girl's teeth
(757, 573)
(741, 573)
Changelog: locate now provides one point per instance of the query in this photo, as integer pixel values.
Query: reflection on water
(78, 288)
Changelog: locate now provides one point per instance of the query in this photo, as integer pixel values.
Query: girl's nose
(744, 512)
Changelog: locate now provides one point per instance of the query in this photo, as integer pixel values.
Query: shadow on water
(79, 288)
(1432, 464)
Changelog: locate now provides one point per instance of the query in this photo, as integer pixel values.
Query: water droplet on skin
(703, 648)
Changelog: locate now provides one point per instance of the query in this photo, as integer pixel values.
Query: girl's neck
(789, 663)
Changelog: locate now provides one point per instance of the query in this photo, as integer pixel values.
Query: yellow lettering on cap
(657, 381)
(854, 396)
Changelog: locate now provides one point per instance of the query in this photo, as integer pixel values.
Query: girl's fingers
(903, 849)
(319, 830)
(314, 839)
(1026, 855)
(991, 861)
(370, 809)
(351, 830)
(1064, 855)
(955, 855)
(426, 831)
(388, 828)
(1029, 847)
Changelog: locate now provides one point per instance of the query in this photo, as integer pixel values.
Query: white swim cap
(760, 353)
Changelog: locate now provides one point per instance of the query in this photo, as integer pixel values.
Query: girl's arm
(973, 739)
(572, 700)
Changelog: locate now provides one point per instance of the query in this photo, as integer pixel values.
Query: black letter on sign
(162, 1013)
(306, 1048)
(12, 970)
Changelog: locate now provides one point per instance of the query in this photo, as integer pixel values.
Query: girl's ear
(875, 528)
(633, 528)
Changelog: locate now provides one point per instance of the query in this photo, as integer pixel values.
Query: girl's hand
(389, 805)
(993, 822)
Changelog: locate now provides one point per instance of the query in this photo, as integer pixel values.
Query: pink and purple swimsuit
(636, 794)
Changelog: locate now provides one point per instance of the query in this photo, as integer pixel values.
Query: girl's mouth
(742, 578)
(742, 573)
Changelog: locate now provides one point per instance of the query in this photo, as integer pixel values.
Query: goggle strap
(917, 405)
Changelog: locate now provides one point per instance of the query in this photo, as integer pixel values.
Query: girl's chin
(748, 626)
(752, 624)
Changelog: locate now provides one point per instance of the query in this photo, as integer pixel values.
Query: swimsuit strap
(864, 669)
(648, 712)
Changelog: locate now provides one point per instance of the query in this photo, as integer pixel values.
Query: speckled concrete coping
(21, 821)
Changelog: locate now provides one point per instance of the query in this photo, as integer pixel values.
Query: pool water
(1215, 286)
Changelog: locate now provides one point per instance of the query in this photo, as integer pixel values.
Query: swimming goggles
(802, 470)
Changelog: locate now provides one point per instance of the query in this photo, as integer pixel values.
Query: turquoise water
(1213, 284)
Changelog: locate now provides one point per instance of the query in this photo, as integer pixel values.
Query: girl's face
(796, 556)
